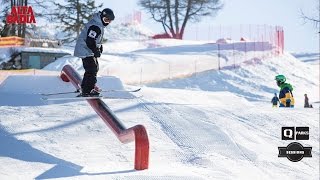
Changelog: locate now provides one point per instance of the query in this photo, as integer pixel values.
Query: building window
(34, 62)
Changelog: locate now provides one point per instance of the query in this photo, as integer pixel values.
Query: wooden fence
(11, 41)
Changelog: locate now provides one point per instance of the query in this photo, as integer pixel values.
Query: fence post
(282, 39)
(234, 57)
(218, 56)
(169, 71)
(140, 76)
(195, 68)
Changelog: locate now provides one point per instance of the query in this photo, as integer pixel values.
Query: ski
(70, 98)
(68, 92)
(86, 98)
(77, 91)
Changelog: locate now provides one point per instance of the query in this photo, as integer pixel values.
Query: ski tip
(136, 90)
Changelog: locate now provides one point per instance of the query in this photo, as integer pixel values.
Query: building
(37, 58)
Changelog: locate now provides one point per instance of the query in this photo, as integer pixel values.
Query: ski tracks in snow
(188, 125)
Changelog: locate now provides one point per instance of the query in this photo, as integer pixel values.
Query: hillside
(210, 125)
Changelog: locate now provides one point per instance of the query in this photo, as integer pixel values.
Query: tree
(312, 19)
(74, 15)
(175, 14)
(7, 29)
(4, 29)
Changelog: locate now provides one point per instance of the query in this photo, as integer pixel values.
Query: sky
(299, 37)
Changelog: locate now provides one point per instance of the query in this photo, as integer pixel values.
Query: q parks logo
(292, 133)
(295, 151)
(21, 15)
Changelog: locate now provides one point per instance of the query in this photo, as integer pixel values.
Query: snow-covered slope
(213, 125)
(310, 58)
(193, 135)
(255, 81)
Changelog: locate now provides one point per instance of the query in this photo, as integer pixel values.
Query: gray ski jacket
(94, 29)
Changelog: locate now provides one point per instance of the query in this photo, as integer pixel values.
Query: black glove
(97, 53)
(101, 48)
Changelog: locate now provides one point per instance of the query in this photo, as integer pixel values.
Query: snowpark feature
(212, 125)
(137, 133)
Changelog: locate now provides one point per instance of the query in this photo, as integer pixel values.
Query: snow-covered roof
(45, 50)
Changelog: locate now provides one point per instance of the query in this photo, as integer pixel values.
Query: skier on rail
(89, 48)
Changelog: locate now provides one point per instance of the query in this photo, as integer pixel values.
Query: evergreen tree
(73, 15)
(6, 29)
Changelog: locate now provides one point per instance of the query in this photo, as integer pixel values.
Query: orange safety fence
(11, 41)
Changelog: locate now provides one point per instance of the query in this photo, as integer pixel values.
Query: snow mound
(255, 80)
(29, 84)
(26, 90)
(75, 62)
(133, 31)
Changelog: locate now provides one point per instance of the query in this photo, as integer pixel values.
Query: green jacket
(286, 85)
(285, 95)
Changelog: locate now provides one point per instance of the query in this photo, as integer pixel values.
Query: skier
(306, 102)
(285, 94)
(89, 48)
(275, 100)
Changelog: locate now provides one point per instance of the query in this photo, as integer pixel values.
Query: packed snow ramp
(137, 133)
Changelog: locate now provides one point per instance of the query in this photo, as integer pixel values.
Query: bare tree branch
(174, 14)
(315, 20)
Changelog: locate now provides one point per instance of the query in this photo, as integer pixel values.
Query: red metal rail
(137, 133)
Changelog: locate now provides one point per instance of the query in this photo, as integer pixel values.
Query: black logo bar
(295, 152)
(295, 133)
(288, 133)
(302, 133)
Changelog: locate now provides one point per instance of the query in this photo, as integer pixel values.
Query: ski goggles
(106, 20)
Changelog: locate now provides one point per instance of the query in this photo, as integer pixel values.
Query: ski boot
(92, 93)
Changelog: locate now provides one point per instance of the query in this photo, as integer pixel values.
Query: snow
(45, 50)
(134, 62)
(5, 54)
(129, 31)
(201, 123)
(311, 58)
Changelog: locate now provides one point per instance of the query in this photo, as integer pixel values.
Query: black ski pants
(91, 67)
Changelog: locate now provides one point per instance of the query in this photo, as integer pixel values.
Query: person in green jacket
(285, 94)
